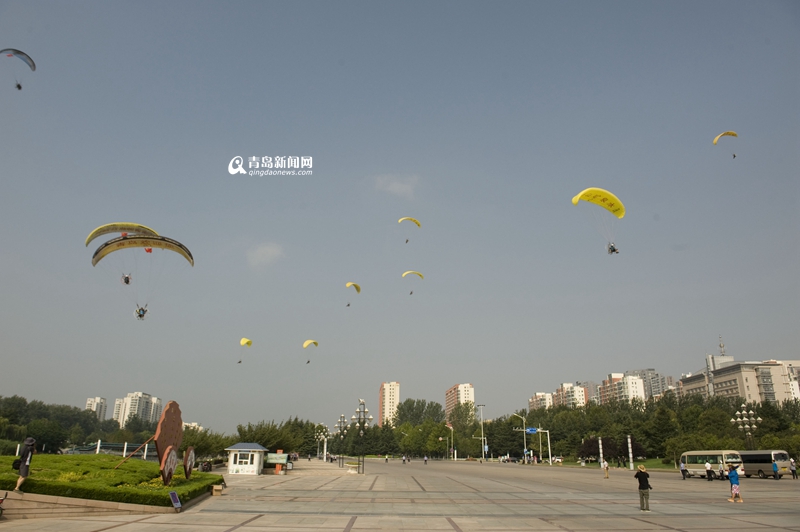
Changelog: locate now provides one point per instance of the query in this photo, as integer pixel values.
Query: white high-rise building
(388, 399)
(540, 400)
(458, 394)
(143, 405)
(98, 405)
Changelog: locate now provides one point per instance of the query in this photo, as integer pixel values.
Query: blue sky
(481, 119)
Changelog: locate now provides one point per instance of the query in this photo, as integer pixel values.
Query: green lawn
(92, 476)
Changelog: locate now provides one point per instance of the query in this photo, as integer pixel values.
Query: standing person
(793, 468)
(683, 471)
(775, 470)
(733, 476)
(404, 459)
(605, 467)
(25, 465)
(426, 459)
(721, 471)
(709, 472)
(387, 458)
(644, 488)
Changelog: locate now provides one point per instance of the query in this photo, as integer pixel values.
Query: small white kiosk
(245, 459)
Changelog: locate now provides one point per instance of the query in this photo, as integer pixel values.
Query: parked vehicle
(557, 459)
(695, 461)
(760, 462)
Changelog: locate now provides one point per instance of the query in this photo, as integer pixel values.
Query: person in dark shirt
(644, 488)
(25, 467)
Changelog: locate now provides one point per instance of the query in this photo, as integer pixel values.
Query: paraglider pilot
(612, 249)
(126, 278)
(140, 312)
(19, 88)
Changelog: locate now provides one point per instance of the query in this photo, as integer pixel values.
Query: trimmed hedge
(94, 477)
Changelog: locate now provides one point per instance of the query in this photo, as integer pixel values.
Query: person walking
(775, 470)
(721, 472)
(733, 477)
(25, 462)
(683, 471)
(709, 471)
(644, 488)
(605, 467)
(793, 468)
(426, 459)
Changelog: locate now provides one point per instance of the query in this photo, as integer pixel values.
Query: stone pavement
(461, 497)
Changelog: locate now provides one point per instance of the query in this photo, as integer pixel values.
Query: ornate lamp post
(322, 435)
(360, 423)
(341, 425)
(747, 424)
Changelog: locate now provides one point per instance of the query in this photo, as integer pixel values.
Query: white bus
(695, 461)
(760, 462)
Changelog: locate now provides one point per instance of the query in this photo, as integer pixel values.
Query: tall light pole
(483, 439)
(361, 422)
(342, 426)
(452, 441)
(524, 438)
(322, 435)
(747, 424)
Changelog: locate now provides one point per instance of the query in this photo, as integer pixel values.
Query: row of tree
(663, 428)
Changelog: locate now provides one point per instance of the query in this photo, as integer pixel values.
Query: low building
(246, 459)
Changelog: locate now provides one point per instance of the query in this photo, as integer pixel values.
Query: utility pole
(483, 439)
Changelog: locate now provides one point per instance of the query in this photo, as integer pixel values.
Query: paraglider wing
(124, 242)
(726, 134)
(125, 228)
(410, 219)
(354, 285)
(309, 342)
(603, 198)
(415, 273)
(246, 341)
(11, 52)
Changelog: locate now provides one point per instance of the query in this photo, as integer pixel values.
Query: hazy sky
(481, 119)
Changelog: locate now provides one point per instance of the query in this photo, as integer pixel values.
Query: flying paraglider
(308, 343)
(613, 210)
(244, 342)
(148, 267)
(415, 273)
(410, 219)
(354, 285)
(25, 58)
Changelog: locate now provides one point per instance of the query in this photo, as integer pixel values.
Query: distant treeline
(663, 428)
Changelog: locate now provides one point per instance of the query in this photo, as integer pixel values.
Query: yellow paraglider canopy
(354, 285)
(726, 134)
(160, 242)
(120, 227)
(410, 219)
(415, 273)
(309, 342)
(246, 341)
(604, 199)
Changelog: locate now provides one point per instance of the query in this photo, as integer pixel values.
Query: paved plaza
(464, 496)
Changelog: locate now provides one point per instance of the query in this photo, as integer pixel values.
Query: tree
(48, 434)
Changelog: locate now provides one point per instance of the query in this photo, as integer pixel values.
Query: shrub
(94, 477)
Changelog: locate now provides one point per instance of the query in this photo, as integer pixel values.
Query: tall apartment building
(569, 395)
(590, 388)
(540, 400)
(142, 405)
(458, 394)
(98, 405)
(771, 381)
(620, 387)
(388, 399)
(654, 383)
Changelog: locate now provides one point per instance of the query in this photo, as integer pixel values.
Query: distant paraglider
(244, 342)
(725, 134)
(308, 343)
(410, 272)
(353, 285)
(25, 58)
(613, 210)
(410, 219)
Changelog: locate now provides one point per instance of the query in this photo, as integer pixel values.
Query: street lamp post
(361, 422)
(322, 435)
(524, 438)
(747, 425)
(483, 438)
(452, 441)
(342, 426)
